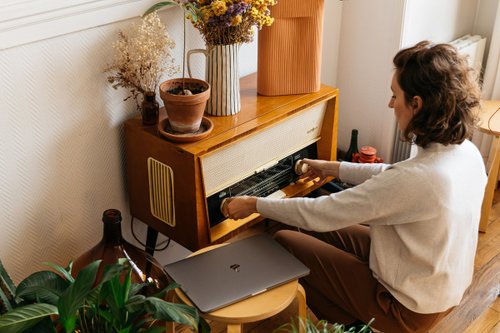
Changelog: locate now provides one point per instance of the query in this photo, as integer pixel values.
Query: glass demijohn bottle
(353, 146)
(145, 268)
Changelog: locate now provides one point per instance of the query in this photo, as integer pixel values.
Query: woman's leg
(341, 287)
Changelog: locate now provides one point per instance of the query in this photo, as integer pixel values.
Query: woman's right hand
(320, 169)
(239, 207)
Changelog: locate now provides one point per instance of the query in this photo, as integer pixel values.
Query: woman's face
(403, 111)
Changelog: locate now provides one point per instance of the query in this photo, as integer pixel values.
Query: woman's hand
(239, 207)
(320, 169)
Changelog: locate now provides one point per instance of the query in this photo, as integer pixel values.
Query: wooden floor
(479, 311)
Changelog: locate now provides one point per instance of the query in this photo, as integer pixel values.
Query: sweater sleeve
(356, 173)
(391, 197)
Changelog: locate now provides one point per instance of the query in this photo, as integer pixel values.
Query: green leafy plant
(47, 301)
(322, 326)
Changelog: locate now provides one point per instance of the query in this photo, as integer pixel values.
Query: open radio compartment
(177, 188)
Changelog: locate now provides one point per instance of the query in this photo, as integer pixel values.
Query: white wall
(485, 21)
(61, 141)
(372, 32)
(438, 21)
(370, 36)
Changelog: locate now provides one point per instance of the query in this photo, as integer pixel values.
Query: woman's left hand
(239, 207)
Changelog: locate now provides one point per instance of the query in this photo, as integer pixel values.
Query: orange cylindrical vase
(289, 51)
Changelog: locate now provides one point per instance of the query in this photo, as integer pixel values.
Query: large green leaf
(159, 6)
(24, 317)
(43, 326)
(135, 288)
(7, 290)
(179, 313)
(115, 293)
(112, 270)
(72, 299)
(66, 272)
(5, 303)
(42, 286)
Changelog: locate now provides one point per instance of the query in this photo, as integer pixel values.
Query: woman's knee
(287, 238)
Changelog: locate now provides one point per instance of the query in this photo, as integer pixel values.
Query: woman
(398, 247)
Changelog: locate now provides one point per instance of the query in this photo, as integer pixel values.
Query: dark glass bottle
(353, 146)
(145, 268)
(150, 109)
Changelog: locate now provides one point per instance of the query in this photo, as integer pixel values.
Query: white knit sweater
(423, 212)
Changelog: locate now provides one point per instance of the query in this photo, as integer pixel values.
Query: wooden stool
(255, 308)
(489, 123)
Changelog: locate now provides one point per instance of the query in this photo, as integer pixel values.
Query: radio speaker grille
(241, 159)
(161, 191)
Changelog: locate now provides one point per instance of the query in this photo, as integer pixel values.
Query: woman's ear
(416, 104)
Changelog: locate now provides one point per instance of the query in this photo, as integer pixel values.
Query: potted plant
(47, 301)
(142, 56)
(224, 25)
(321, 326)
(184, 98)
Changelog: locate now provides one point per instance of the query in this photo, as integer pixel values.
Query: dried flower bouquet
(142, 56)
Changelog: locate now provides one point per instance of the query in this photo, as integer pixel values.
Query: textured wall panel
(61, 145)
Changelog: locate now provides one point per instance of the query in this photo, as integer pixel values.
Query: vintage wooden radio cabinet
(177, 188)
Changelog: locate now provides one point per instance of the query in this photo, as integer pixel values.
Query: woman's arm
(316, 170)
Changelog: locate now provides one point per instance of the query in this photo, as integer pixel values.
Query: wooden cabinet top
(257, 112)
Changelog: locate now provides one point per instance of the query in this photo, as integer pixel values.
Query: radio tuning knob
(223, 206)
(300, 167)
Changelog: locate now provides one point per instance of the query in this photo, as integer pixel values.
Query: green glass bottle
(353, 146)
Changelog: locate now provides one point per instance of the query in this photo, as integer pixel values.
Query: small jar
(367, 154)
(150, 109)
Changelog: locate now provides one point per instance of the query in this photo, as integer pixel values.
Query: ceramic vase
(289, 51)
(222, 73)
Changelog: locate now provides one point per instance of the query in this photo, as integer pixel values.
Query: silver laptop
(236, 271)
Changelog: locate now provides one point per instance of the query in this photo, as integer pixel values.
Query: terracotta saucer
(206, 128)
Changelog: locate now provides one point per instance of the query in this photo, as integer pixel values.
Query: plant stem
(184, 52)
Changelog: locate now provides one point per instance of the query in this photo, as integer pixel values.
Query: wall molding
(27, 21)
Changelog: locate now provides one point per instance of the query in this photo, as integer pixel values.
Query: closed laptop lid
(233, 272)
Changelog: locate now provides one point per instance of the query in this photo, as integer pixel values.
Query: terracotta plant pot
(185, 112)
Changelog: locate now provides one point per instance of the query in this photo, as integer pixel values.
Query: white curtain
(491, 82)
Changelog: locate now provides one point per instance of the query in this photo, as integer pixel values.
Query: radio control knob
(300, 167)
(223, 206)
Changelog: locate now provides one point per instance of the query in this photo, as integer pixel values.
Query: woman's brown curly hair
(449, 89)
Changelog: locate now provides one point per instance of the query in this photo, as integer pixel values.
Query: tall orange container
(289, 51)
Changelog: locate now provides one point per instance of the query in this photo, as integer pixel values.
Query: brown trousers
(341, 287)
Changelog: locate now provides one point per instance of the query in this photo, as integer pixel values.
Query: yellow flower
(219, 7)
(236, 20)
(206, 13)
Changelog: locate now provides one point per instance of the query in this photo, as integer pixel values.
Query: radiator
(402, 149)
